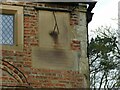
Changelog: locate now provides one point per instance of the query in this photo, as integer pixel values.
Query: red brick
(38, 77)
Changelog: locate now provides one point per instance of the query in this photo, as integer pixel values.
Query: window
(11, 27)
(7, 29)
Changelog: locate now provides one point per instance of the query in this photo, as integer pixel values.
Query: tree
(104, 56)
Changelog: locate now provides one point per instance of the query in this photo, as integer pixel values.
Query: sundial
(55, 37)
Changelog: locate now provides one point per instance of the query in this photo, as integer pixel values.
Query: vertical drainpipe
(87, 50)
(89, 16)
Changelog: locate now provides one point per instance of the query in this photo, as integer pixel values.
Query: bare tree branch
(101, 81)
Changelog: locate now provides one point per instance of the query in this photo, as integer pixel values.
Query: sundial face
(54, 51)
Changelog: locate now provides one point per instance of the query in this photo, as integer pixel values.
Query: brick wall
(17, 67)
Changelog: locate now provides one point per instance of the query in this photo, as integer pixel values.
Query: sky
(105, 14)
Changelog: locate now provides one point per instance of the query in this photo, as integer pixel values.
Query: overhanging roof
(91, 5)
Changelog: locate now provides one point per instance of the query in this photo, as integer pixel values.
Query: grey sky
(105, 13)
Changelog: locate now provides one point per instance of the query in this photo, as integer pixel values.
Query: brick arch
(7, 79)
(14, 72)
